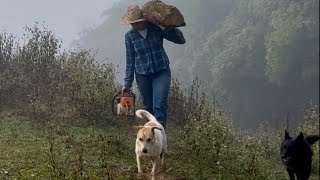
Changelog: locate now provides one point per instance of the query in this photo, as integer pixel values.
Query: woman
(148, 61)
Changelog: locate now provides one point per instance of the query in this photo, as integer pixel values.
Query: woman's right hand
(125, 90)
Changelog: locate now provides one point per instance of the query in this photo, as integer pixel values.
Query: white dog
(151, 142)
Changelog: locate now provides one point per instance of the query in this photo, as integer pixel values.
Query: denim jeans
(154, 90)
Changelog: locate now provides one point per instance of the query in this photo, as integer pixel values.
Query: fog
(67, 18)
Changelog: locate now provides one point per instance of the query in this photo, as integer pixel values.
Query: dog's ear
(300, 137)
(286, 136)
(155, 127)
(312, 139)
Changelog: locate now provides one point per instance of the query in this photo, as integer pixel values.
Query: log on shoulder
(162, 14)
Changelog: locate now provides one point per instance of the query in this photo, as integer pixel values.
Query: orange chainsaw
(124, 104)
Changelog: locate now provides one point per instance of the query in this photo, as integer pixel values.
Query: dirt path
(161, 176)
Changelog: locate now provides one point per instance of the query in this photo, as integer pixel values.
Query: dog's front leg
(139, 164)
(291, 174)
(155, 167)
(163, 160)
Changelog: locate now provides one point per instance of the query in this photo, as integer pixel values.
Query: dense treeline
(263, 53)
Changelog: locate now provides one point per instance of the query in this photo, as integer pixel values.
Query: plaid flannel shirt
(147, 56)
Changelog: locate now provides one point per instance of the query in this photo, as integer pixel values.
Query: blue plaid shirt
(147, 56)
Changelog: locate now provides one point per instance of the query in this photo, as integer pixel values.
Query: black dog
(296, 155)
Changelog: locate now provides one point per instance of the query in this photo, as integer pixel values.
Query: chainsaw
(124, 104)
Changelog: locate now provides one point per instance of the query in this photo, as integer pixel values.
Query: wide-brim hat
(133, 15)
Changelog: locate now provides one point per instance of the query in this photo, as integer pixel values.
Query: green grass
(77, 150)
(69, 150)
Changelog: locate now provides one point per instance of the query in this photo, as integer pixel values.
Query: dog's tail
(145, 114)
(312, 139)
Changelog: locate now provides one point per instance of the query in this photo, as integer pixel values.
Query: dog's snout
(144, 150)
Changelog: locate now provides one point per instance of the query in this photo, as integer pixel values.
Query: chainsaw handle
(112, 103)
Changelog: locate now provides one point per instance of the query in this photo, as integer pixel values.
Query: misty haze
(249, 70)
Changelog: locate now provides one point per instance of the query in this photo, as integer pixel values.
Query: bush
(40, 81)
(310, 126)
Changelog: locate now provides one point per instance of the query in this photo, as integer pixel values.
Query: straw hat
(134, 14)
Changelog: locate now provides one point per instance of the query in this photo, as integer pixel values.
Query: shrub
(40, 81)
(310, 126)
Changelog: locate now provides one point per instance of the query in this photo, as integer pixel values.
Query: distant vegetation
(56, 122)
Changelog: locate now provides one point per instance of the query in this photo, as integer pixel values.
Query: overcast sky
(65, 17)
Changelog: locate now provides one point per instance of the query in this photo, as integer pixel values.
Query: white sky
(65, 17)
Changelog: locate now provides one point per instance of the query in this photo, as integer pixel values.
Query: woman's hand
(125, 90)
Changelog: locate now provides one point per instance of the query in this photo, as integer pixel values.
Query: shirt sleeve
(174, 35)
(130, 61)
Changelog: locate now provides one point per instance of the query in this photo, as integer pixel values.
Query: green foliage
(207, 134)
(310, 126)
(89, 85)
(222, 151)
(214, 148)
(177, 103)
(257, 52)
(217, 150)
(293, 24)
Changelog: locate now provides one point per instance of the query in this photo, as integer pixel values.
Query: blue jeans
(154, 90)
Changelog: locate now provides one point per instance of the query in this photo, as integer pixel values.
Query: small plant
(52, 162)
(310, 126)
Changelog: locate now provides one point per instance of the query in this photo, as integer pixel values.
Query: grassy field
(71, 150)
(77, 150)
